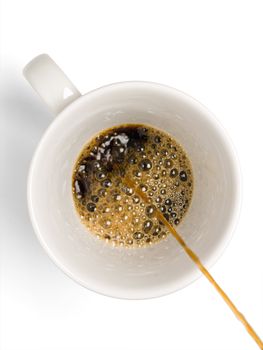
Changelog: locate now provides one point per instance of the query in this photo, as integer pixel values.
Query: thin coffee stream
(132, 185)
(111, 209)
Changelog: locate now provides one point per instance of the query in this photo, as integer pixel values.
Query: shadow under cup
(207, 226)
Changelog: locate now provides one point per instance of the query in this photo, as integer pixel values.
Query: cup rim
(229, 231)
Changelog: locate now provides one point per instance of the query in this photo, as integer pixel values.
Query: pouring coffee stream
(191, 254)
(117, 168)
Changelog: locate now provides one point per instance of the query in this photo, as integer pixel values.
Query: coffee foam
(154, 161)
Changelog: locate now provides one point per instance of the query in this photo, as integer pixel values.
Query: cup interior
(140, 272)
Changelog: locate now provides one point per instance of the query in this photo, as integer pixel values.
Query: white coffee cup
(120, 272)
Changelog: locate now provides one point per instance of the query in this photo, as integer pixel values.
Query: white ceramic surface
(120, 272)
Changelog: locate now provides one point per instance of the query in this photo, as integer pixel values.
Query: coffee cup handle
(51, 84)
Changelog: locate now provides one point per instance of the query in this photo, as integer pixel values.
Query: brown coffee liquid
(154, 161)
(135, 177)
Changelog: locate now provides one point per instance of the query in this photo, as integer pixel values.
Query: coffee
(154, 161)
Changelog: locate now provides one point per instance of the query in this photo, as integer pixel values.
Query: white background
(209, 49)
